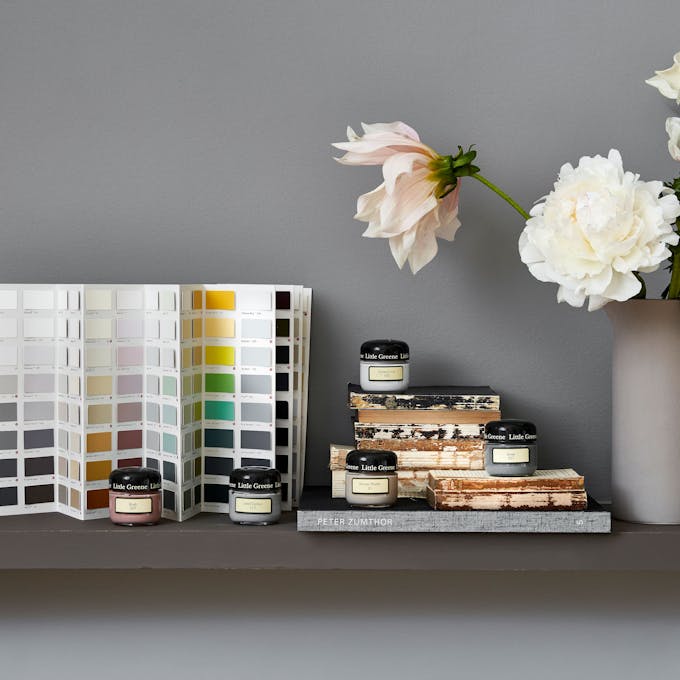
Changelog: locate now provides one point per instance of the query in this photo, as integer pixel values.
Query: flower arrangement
(594, 234)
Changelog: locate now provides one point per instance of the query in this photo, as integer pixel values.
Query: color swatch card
(192, 380)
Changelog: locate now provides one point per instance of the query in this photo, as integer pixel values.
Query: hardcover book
(451, 459)
(479, 480)
(428, 398)
(424, 417)
(318, 512)
(507, 500)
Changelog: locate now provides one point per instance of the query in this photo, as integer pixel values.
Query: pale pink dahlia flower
(417, 202)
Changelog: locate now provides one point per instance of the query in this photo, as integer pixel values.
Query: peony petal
(571, 297)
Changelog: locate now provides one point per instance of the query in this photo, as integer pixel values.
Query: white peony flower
(414, 205)
(668, 80)
(673, 130)
(596, 228)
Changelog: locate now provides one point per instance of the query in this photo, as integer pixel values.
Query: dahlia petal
(399, 252)
(397, 127)
(400, 164)
(423, 251)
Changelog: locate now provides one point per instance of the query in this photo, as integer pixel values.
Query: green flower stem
(503, 195)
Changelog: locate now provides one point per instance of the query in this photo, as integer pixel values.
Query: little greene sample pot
(135, 496)
(384, 366)
(371, 478)
(511, 448)
(255, 495)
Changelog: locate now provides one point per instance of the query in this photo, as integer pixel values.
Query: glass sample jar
(135, 496)
(371, 478)
(510, 448)
(384, 366)
(255, 495)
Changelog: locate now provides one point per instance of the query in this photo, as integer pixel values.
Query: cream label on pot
(253, 506)
(134, 506)
(385, 372)
(371, 485)
(510, 455)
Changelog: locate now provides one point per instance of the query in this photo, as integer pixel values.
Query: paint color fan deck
(192, 380)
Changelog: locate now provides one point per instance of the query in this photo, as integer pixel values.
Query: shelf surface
(208, 541)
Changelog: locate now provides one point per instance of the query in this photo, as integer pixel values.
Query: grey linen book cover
(318, 512)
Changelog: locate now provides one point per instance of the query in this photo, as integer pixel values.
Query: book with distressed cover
(507, 500)
(479, 480)
(465, 457)
(424, 417)
(439, 397)
(319, 512)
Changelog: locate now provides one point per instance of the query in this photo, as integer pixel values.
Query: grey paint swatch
(8, 495)
(256, 413)
(256, 384)
(38, 383)
(8, 384)
(8, 441)
(38, 410)
(8, 467)
(253, 439)
(8, 412)
(38, 439)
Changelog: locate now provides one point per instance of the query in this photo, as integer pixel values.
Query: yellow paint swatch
(198, 299)
(197, 328)
(198, 358)
(219, 356)
(99, 469)
(186, 357)
(98, 442)
(220, 328)
(99, 414)
(186, 329)
(99, 385)
(220, 299)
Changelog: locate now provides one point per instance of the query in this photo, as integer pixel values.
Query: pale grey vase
(645, 410)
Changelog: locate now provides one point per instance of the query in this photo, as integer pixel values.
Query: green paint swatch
(169, 386)
(219, 382)
(219, 410)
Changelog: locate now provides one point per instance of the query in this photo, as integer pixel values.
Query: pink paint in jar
(135, 496)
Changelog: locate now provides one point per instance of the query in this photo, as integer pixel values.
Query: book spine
(427, 419)
(410, 483)
(470, 521)
(425, 433)
(498, 500)
(427, 460)
(499, 484)
(425, 445)
(365, 400)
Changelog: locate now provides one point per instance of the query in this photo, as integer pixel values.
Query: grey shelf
(212, 542)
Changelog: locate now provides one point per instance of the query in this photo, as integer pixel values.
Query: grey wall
(180, 141)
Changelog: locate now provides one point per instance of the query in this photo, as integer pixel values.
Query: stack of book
(477, 490)
(429, 428)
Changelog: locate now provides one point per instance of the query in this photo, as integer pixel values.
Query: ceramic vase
(646, 410)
